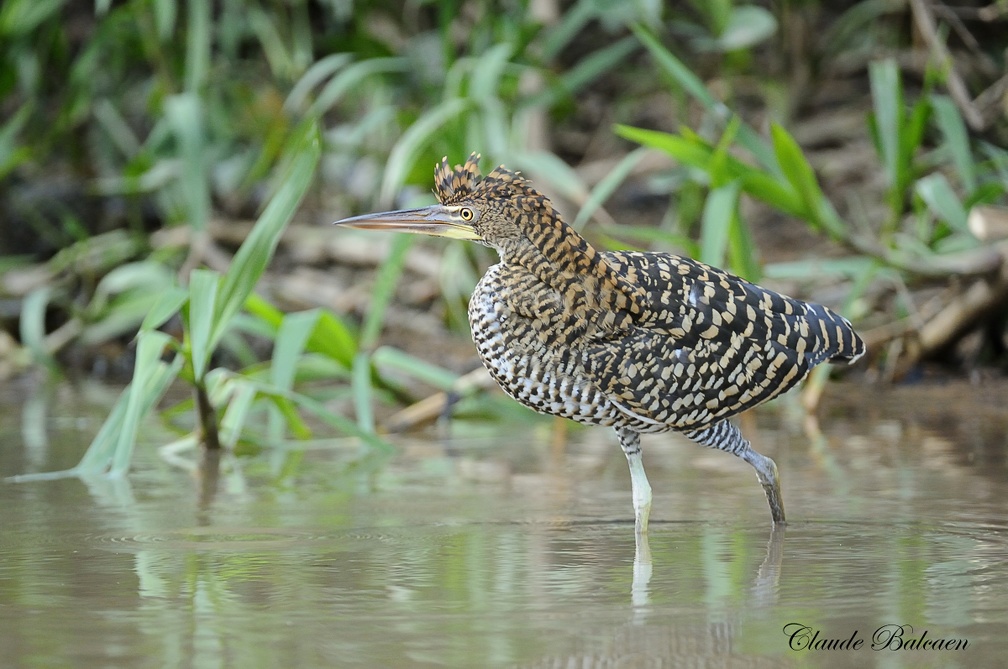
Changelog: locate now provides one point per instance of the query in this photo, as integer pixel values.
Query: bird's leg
(630, 442)
(725, 436)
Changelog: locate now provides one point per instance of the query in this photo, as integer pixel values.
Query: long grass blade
(112, 447)
(394, 358)
(32, 324)
(319, 71)
(691, 150)
(607, 186)
(716, 221)
(956, 137)
(331, 336)
(351, 78)
(292, 336)
(363, 395)
(937, 193)
(154, 378)
(817, 210)
(887, 98)
(693, 85)
(185, 114)
(169, 302)
(203, 287)
(419, 135)
(384, 288)
(256, 251)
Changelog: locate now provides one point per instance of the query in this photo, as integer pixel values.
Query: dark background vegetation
(153, 152)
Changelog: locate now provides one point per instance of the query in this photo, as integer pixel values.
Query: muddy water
(493, 549)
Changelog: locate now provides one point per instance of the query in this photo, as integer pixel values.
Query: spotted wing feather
(707, 344)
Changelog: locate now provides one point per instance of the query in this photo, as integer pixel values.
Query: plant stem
(207, 419)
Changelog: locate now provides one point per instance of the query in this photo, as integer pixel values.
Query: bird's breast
(530, 344)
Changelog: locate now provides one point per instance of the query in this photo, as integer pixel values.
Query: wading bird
(641, 342)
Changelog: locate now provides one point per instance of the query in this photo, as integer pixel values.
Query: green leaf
(676, 69)
(719, 211)
(351, 79)
(695, 152)
(915, 125)
(384, 288)
(718, 167)
(11, 154)
(121, 316)
(607, 186)
(943, 202)
(237, 412)
(169, 303)
(185, 115)
(320, 70)
(112, 448)
(693, 85)
(290, 344)
(686, 151)
(748, 25)
(798, 172)
(21, 17)
(147, 275)
(203, 287)
(389, 357)
(165, 15)
(887, 98)
(421, 134)
(362, 391)
(569, 24)
(487, 71)
(953, 129)
(775, 191)
(588, 69)
(321, 412)
(198, 36)
(256, 251)
(742, 251)
(331, 337)
(291, 337)
(32, 324)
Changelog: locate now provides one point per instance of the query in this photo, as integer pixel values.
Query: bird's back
(707, 344)
(743, 306)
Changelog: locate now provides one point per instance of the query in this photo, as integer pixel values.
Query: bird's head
(492, 210)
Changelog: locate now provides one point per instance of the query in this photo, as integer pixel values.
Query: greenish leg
(630, 442)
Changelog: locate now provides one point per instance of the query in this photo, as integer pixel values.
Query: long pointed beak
(434, 220)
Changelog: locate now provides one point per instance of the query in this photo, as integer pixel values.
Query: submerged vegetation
(851, 154)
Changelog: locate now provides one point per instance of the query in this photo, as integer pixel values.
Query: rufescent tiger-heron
(641, 342)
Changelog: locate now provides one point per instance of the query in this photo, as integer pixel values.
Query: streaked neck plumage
(527, 231)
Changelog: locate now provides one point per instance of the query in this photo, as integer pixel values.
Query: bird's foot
(766, 472)
(776, 502)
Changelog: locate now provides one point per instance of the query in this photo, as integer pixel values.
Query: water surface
(490, 549)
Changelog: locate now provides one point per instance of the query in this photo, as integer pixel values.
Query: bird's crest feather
(455, 184)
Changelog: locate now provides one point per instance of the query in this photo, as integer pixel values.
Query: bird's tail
(841, 342)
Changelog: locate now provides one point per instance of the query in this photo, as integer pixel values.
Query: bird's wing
(654, 377)
(707, 344)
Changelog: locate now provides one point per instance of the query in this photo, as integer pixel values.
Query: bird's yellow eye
(466, 213)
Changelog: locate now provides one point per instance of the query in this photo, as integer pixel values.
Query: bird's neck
(560, 257)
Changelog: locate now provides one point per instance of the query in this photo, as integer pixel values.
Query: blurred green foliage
(123, 119)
